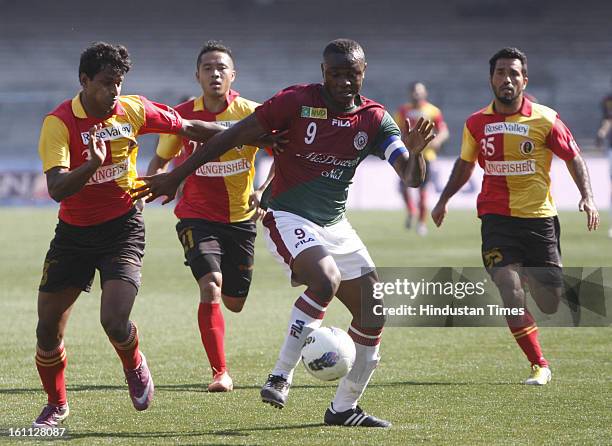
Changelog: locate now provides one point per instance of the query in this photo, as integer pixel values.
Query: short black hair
(508, 53)
(101, 55)
(344, 46)
(214, 45)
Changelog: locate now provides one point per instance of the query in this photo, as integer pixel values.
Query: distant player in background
(217, 205)
(331, 130)
(412, 111)
(604, 140)
(88, 149)
(514, 140)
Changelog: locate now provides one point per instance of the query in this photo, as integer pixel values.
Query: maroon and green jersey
(313, 173)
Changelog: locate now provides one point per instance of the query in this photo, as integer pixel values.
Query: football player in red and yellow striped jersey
(216, 225)
(514, 140)
(411, 112)
(88, 148)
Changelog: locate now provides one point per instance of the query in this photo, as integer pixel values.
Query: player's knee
(326, 285)
(548, 299)
(234, 304)
(210, 288)
(510, 286)
(115, 329)
(48, 335)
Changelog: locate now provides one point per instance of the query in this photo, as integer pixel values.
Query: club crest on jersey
(527, 147)
(360, 140)
(313, 112)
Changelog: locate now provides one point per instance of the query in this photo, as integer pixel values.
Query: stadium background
(279, 42)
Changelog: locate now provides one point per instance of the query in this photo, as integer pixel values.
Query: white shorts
(287, 235)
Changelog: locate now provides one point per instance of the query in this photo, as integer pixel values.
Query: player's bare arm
(440, 138)
(200, 131)
(157, 165)
(603, 131)
(580, 173)
(411, 168)
(62, 182)
(255, 197)
(243, 132)
(462, 171)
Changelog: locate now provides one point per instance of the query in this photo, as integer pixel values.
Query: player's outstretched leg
(51, 366)
(317, 269)
(343, 410)
(53, 313)
(117, 300)
(306, 315)
(523, 328)
(136, 369)
(211, 324)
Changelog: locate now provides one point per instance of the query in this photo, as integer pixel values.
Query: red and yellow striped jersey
(219, 190)
(424, 110)
(515, 152)
(63, 143)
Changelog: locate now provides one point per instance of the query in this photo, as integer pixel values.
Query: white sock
(352, 386)
(306, 315)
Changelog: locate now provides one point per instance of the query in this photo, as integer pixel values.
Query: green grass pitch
(437, 385)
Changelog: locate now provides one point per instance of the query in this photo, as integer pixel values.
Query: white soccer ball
(328, 353)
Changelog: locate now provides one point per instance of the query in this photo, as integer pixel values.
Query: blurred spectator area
(277, 43)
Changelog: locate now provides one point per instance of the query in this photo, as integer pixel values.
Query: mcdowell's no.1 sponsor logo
(509, 168)
(110, 133)
(513, 128)
(224, 168)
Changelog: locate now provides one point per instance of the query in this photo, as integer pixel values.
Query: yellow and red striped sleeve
(54, 144)
(469, 146)
(169, 146)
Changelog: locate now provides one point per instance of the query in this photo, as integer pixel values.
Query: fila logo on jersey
(313, 112)
(341, 122)
(514, 128)
(110, 133)
(360, 140)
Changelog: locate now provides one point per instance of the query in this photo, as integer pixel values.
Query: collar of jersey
(198, 103)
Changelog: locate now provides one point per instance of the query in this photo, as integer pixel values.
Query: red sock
(128, 350)
(51, 366)
(212, 332)
(526, 334)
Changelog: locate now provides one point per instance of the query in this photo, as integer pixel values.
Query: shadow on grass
(201, 388)
(243, 432)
